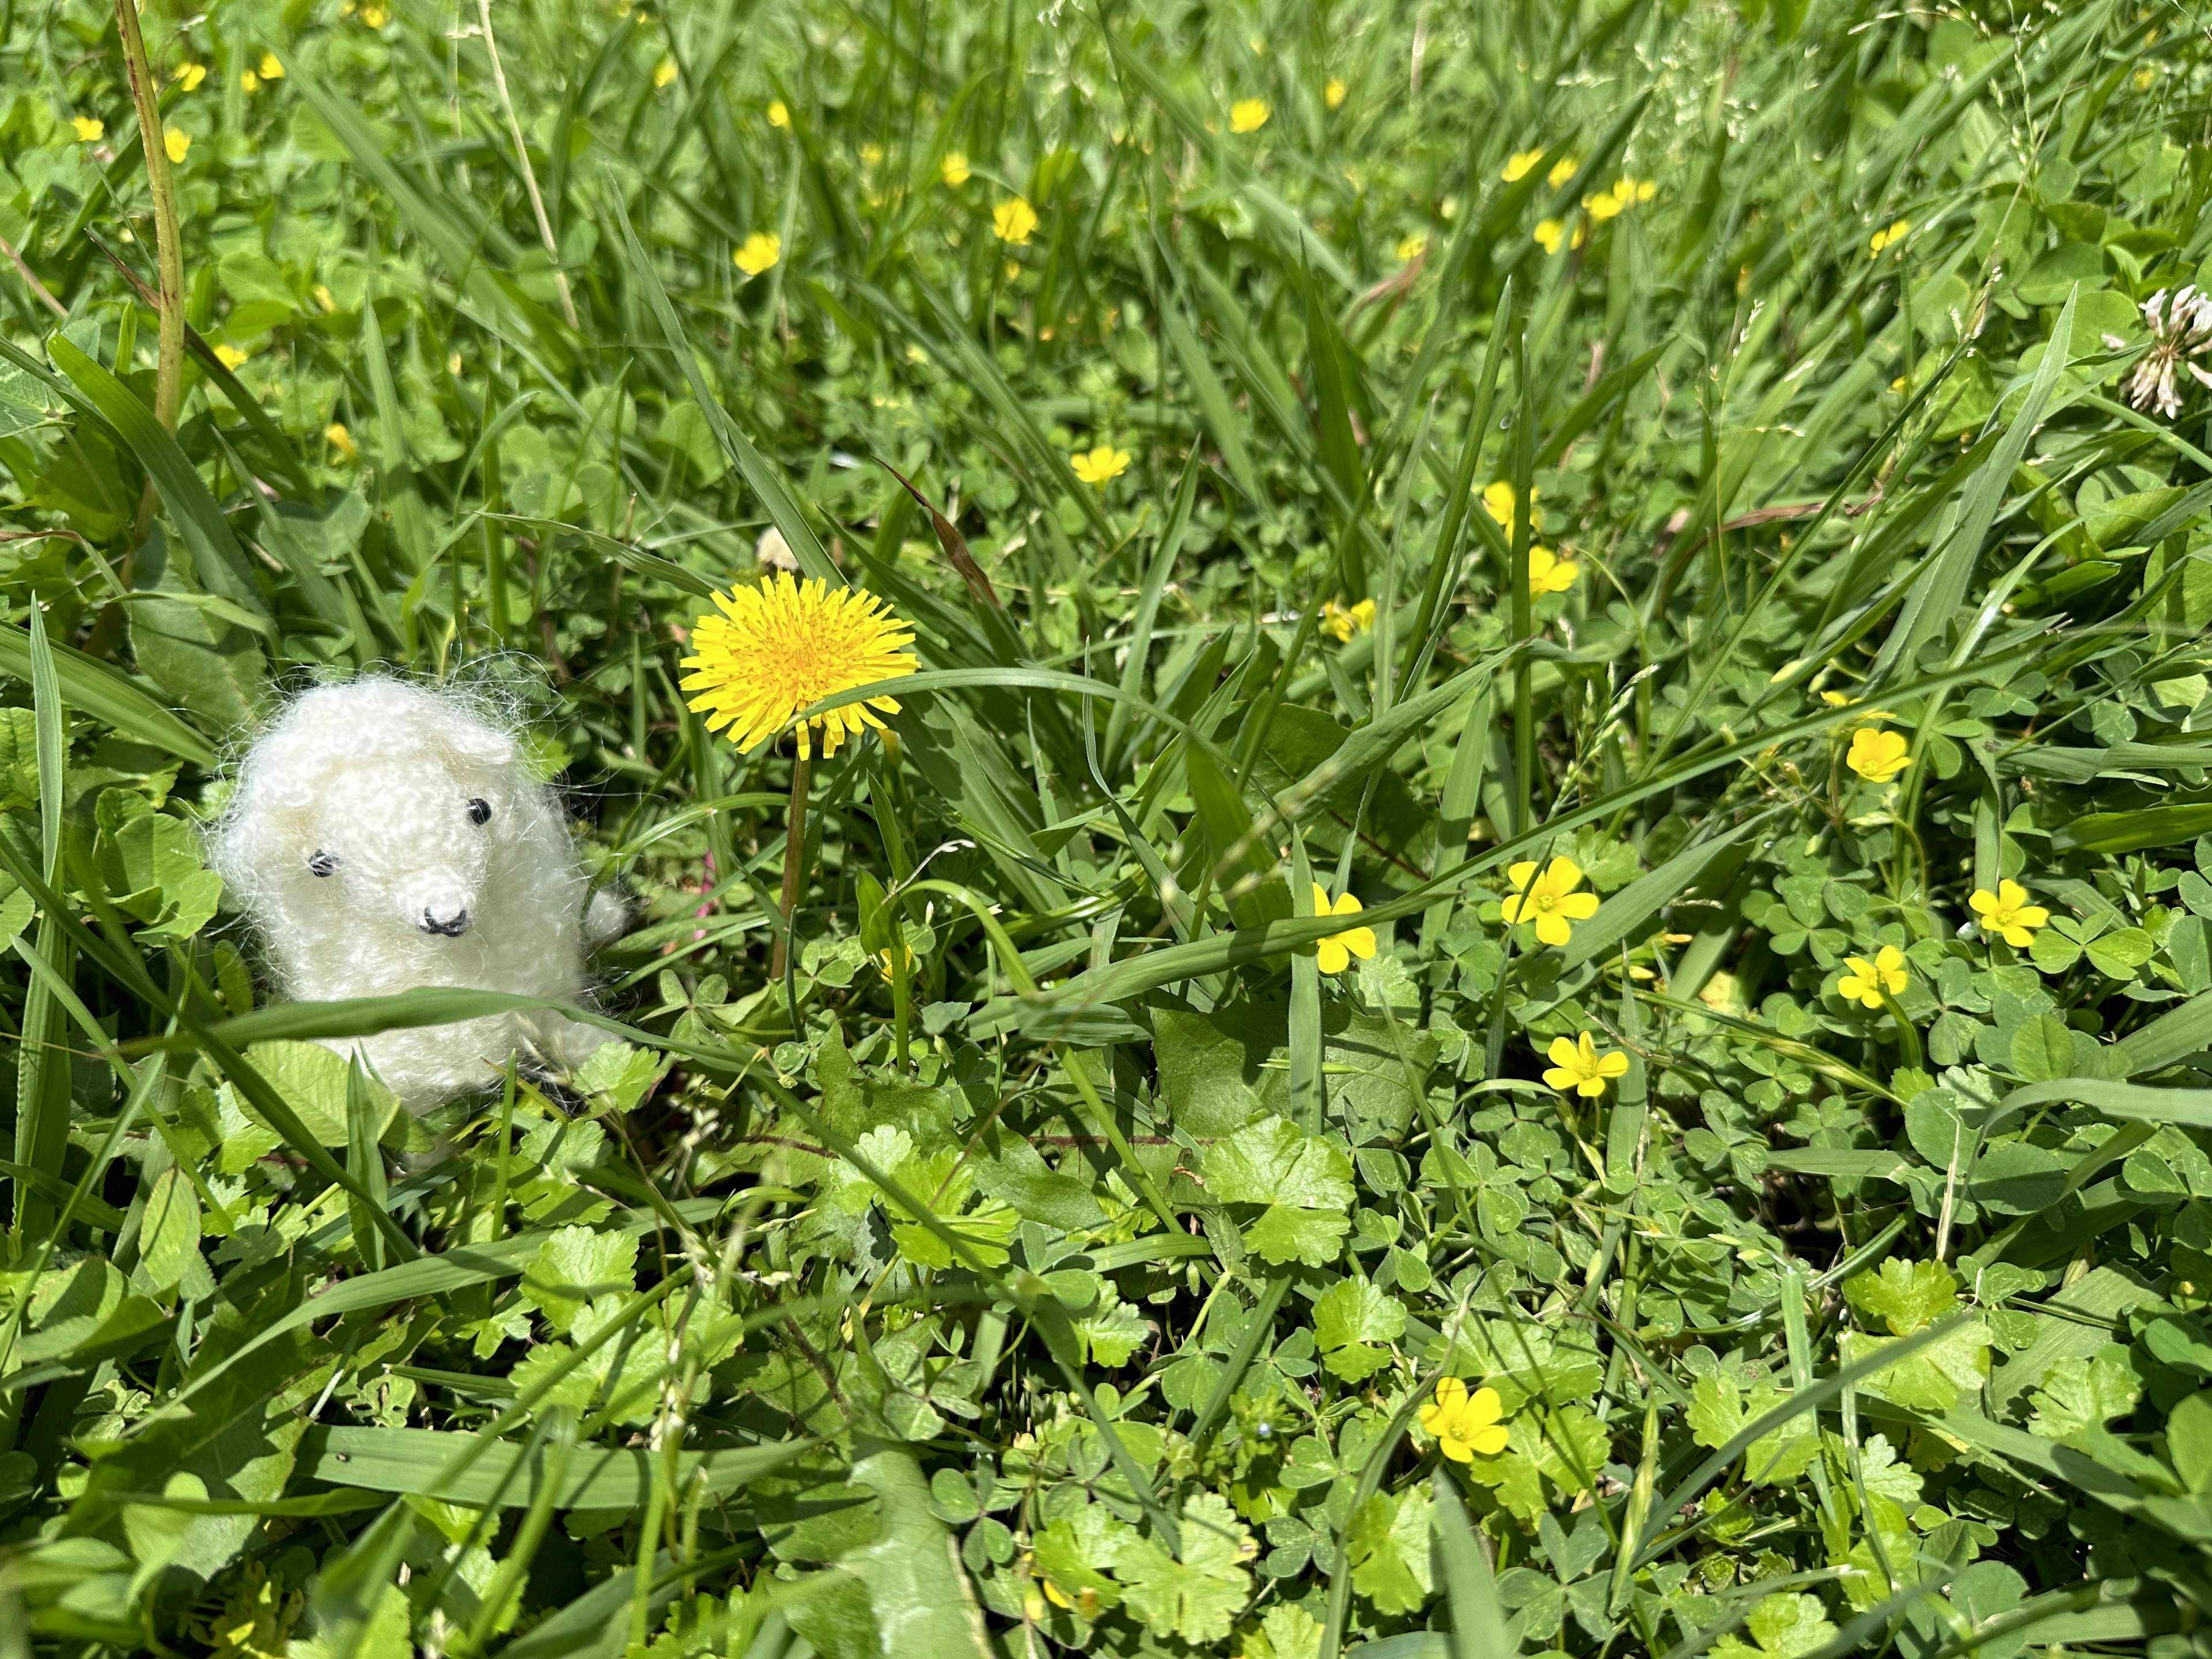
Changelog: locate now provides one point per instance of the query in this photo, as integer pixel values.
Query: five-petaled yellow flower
(1333, 94)
(270, 68)
(90, 128)
(1412, 246)
(1550, 573)
(1013, 220)
(779, 112)
(761, 252)
(1889, 238)
(1101, 466)
(955, 169)
(1877, 757)
(1465, 1424)
(1342, 622)
(176, 143)
(1562, 170)
(1577, 1064)
(2007, 913)
(1248, 114)
(1518, 163)
(1498, 501)
(1336, 953)
(784, 645)
(1549, 900)
(229, 355)
(1866, 980)
(189, 75)
(1550, 232)
(1625, 194)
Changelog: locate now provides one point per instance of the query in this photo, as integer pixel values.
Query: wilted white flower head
(2180, 329)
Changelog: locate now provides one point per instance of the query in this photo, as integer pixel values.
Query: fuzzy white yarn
(383, 836)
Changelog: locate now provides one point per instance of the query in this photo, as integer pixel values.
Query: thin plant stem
(169, 245)
(794, 858)
(522, 157)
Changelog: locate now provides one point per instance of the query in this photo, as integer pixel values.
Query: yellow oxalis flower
(1465, 1424)
(1336, 953)
(1625, 194)
(1889, 238)
(1562, 170)
(779, 112)
(1101, 466)
(784, 645)
(1865, 981)
(2007, 914)
(1550, 232)
(761, 252)
(229, 355)
(270, 69)
(955, 168)
(1333, 94)
(189, 75)
(176, 143)
(90, 128)
(1342, 622)
(1549, 900)
(1577, 1064)
(1877, 757)
(1499, 501)
(1014, 222)
(1518, 163)
(1550, 573)
(248, 81)
(1248, 114)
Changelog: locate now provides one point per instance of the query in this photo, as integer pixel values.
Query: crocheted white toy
(384, 836)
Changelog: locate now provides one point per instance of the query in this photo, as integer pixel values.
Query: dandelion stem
(794, 858)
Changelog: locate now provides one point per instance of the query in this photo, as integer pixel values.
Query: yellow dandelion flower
(1248, 114)
(2007, 914)
(1411, 247)
(341, 440)
(1562, 170)
(956, 169)
(778, 647)
(1333, 94)
(1877, 757)
(1865, 981)
(1014, 222)
(761, 252)
(1342, 622)
(229, 355)
(1578, 1066)
(1334, 954)
(1466, 1425)
(1550, 573)
(90, 128)
(663, 73)
(176, 143)
(1889, 238)
(779, 112)
(270, 68)
(189, 75)
(1101, 466)
(1517, 164)
(1549, 900)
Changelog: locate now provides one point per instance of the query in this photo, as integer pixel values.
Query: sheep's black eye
(480, 810)
(322, 863)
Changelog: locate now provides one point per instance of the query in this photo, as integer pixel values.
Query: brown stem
(795, 854)
(169, 249)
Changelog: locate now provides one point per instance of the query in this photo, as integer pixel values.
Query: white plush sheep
(383, 835)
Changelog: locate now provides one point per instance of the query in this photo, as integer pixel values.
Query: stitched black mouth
(453, 929)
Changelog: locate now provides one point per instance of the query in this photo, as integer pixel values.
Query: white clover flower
(2180, 329)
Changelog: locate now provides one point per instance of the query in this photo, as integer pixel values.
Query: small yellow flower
(341, 440)
(2007, 914)
(1465, 1424)
(1411, 247)
(1602, 206)
(1248, 114)
(761, 252)
(1549, 900)
(375, 15)
(779, 646)
(229, 355)
(1497, 501)
(779, 112)
(326, 299)
(270, 68)
(1550, 573)
(1517, 164)
(1333, 94)
(1342, 622)
(956, 169)
(1867, 981)
(872, 154)
(90, 128)
(1577, 1065)
(189, 75)
(1336, 953)
(1562, 170)
(1014, 222)
(1550, 232)
(248, 81)
(1877, 757)
(1890, 238)
(663, 73)
(1100, 467)
(884, 964)
(2144, 77)
(176, 143)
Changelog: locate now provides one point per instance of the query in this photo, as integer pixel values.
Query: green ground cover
(1694, 515)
